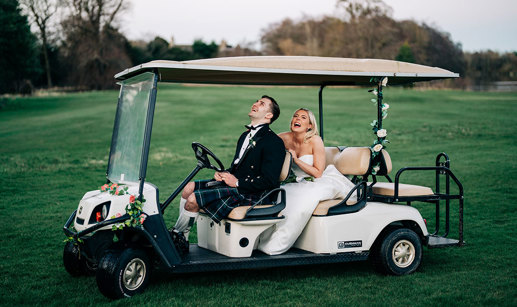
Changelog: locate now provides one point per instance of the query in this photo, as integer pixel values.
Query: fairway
(55, 148)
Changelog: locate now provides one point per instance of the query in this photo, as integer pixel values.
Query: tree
(94, 48)
(19, 57)
(405, 54)
(201, 50)
(356, 9)
(41, 12)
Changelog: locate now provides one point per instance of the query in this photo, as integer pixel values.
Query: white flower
(375, 92)
(385, 81)
(377, 147)
(382, 133)
(384, 116)
(376, 168)
(385, 106)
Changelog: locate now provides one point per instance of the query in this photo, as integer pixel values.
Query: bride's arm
(318, 152)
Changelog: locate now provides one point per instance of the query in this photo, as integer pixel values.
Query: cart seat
(239, 213)
(388, 189)
(236, 235)
(354, 161)
(323, 207)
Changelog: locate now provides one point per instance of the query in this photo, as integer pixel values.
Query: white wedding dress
(302, 197)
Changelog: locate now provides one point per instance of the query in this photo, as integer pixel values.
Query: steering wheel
(202, 155)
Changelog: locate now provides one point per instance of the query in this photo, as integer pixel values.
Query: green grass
(54, 149)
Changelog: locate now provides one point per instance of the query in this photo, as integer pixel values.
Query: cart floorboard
(203, 260)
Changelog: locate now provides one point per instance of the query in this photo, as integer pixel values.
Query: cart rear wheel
(75, 263)
(399, 253)
(123, 273)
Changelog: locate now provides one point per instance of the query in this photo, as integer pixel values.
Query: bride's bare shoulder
(286, 136)
(316, 140)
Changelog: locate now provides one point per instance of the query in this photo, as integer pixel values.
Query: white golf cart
(379, 223)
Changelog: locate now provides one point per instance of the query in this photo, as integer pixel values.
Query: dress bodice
(298, 172)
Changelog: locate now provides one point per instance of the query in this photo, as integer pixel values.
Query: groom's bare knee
(191, 204)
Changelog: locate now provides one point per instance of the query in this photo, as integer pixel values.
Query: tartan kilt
(219, 201)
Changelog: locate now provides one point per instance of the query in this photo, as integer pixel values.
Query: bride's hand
(293, 154)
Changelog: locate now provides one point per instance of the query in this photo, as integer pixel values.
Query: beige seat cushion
(324, 206)
(388, 189)
(240, 212)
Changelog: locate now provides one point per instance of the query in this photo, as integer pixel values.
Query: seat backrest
(286, 167)
(357, 160)
(353, 161)
(330, 155)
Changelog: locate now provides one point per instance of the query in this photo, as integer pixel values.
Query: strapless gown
(302, 197)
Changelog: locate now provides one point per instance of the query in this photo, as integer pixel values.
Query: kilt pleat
(218, 202)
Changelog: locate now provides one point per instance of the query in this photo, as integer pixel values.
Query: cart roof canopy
(287, 70)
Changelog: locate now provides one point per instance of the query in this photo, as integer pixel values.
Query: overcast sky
(476, 24)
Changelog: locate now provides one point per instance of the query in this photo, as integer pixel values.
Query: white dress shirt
(246, 142)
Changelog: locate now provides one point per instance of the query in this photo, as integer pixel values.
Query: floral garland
(136, 216)
(381, 141)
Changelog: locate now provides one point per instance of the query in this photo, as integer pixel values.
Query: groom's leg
(188, 210)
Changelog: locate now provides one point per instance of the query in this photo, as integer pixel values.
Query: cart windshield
(127, 142)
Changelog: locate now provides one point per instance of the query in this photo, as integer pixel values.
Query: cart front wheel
(123, 273)
(399, 253)
(75, 263)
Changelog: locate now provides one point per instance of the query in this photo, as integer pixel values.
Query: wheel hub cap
(403, 253)
(134, 274)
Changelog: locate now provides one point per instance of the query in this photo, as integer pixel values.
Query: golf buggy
(119, 232)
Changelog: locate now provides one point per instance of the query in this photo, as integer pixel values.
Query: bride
(314, 183)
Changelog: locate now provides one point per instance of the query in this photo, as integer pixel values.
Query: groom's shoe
(181, 244)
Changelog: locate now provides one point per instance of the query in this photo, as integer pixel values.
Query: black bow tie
(250, 127)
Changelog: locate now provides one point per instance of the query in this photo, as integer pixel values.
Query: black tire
(75, 263)
(123, 273)
(399, 253)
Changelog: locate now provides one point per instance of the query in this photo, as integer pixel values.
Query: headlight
(104, 212)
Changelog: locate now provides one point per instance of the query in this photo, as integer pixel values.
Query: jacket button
(251, 180)
(252, 166)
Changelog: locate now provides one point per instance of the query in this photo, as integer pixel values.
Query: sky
(476, 24)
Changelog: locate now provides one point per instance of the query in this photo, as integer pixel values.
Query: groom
(255, 170)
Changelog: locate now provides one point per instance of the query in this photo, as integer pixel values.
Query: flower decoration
(381, 133)
(114, 189)
(252, 142)
(377, 147)
(381, 141)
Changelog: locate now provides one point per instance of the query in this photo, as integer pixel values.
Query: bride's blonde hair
(312, 120)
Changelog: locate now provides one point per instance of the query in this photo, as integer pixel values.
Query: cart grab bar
(276, 208)
(426, 168)
(69, 233)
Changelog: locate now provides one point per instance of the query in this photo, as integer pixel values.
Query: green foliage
(201, 50)
(19, 56)
(56, 148)
(405, 54)
(158, 49)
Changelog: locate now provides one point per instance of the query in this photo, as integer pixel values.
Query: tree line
(77, 44)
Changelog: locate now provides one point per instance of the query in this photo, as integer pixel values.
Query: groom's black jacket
(259, 168)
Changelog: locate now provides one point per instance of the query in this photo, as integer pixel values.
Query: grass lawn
(55, 148)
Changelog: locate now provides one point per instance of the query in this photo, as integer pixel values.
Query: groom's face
(261, 110)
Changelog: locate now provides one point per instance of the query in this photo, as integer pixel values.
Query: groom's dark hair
(274, 108)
